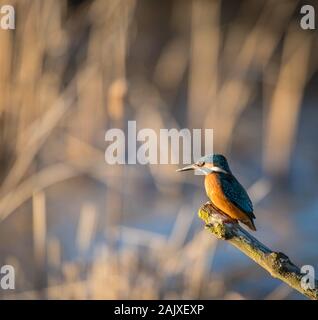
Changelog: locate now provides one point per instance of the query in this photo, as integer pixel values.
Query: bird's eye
(200, 163)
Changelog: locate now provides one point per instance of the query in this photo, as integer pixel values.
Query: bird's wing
(234, 191)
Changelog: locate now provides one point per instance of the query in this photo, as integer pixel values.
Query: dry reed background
(73, 226)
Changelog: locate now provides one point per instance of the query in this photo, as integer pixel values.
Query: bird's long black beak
(188, 168)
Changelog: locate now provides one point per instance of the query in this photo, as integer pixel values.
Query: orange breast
(215, 193)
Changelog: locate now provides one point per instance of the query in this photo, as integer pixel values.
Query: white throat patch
(207, 170)
(218, 169)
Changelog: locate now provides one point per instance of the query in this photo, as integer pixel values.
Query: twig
(276, 263)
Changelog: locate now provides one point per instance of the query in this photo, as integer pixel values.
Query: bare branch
(276, 263)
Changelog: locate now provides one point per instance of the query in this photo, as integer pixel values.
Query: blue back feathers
(234, 191)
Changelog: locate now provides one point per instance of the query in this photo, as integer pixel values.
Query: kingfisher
(223, 189)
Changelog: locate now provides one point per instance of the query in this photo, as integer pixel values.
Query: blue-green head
(210, 163)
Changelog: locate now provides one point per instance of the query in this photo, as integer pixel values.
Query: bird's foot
(228, 219)
(217, 213)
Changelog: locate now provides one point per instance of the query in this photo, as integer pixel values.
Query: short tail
(250, 224)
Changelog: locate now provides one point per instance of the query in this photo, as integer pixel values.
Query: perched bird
(225, 192)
